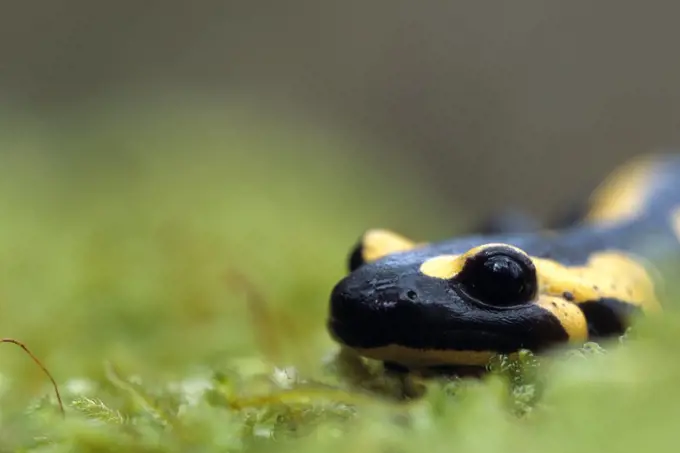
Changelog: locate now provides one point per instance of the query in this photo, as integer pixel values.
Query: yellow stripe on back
(622, 195)
(675, 222)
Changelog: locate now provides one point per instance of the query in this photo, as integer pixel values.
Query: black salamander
(461, 301)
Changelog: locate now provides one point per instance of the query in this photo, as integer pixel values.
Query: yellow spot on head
(607, 274)
(377, 244)
(443, 266)
(448, 266)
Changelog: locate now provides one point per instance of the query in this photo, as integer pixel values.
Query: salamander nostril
(411, 295)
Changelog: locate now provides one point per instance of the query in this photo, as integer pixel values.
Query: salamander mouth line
(464, 336)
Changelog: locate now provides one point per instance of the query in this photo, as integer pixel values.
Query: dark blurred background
(494, 103)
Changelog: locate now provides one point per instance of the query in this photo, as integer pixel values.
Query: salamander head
(449, 309)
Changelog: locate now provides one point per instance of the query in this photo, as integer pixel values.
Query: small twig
(35, 359)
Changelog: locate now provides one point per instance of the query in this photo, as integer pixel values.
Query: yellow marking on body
(571, 317)
(607, 274)
(378, 243)
(622, 195)
(675, 222)
(424, 358)
(448, 266)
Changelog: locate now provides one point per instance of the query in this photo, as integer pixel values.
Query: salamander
(459, 302)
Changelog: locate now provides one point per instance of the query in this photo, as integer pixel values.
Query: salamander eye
(499, 276)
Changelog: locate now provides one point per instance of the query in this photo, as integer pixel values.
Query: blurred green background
(126, 226)
(180, 183)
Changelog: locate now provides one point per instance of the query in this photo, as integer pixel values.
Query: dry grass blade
(39, 363)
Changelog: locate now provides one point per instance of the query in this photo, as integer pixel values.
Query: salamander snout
(365, 306)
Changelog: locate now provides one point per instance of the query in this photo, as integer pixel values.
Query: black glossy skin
(390, 301)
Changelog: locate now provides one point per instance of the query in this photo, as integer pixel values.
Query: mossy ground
(172, 271)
